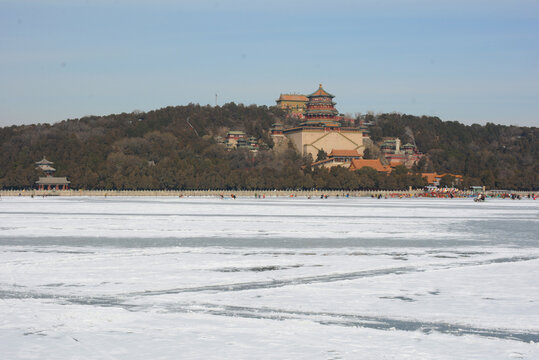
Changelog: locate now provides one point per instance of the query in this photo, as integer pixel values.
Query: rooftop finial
(320, 86)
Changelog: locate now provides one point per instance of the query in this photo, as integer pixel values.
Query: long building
(295, 104)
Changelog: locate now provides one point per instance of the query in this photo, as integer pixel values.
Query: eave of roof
(44, 162)
(321, 92)
(375, 164)
(50, 180)
(343, 153)
(293, 97)
(322, 162)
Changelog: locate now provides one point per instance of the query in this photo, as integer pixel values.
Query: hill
(497, 156)
(175, 148)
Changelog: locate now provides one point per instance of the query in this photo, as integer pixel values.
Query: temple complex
(233, 136)
(397, 154)
(321, 128)
(320, 110)
(49, 181)
(237, 139)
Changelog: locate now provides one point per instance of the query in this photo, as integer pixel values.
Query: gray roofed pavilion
(44, 162)
(50, 182)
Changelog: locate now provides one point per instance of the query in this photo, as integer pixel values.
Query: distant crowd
(441, 194)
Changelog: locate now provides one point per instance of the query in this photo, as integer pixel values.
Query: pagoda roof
(44, 162)
(321, 92)
(46, 168)
(293, 97)
(376, 164)
(51, 180)
(431, 177)
(320, 162)
(235, 132)
(322, 111)
(343, 153)
(321, 123)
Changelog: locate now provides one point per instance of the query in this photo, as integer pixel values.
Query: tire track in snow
(269, 284)
(350, 320)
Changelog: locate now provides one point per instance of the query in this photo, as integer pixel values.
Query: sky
(473, 61)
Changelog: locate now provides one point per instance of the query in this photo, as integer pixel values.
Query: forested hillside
(497, 156)
(174, 148)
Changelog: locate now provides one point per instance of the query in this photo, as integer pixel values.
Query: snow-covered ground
(200, 278)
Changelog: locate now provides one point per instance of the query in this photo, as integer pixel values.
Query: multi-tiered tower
(321, 110)
(49, 181)
(321, 130)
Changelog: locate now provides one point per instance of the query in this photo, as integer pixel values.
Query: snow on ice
(274, 278)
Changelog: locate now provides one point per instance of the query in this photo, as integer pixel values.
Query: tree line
(175, 148)
(496, 156)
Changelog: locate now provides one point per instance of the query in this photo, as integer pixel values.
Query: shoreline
(256, 193)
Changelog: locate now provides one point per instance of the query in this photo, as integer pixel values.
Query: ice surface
(190, 278)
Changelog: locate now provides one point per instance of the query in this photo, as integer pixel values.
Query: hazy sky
(470, 61)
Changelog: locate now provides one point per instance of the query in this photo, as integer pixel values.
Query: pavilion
(49, 181)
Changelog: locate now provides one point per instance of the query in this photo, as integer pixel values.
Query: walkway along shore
(254, 193)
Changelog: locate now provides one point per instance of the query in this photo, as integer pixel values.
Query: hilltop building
(233, 136)
(49, 181)
(250, 143)
(237, 139)
(277, 130)
(321, 129)
(295, 104)
(396, 154)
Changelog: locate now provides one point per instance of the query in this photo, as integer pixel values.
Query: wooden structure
(49, 181)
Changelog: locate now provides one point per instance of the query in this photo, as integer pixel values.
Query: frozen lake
(288, 278)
